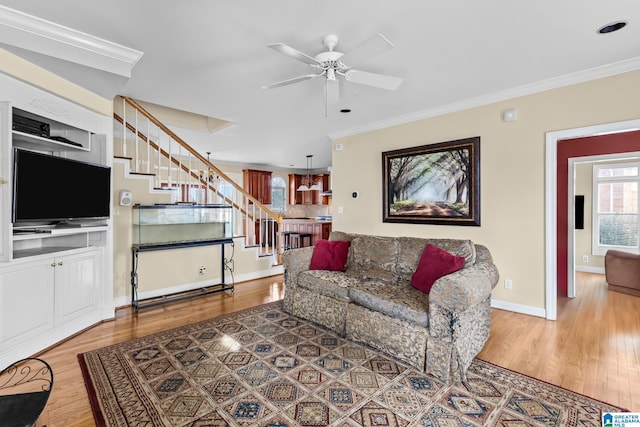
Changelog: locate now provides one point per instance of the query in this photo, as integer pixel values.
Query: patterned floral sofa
(373, 301)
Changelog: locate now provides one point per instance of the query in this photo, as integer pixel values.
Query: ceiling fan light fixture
(332, 63)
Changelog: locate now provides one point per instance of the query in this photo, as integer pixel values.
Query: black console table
(225, 264)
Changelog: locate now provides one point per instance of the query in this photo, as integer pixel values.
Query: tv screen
(55, 189)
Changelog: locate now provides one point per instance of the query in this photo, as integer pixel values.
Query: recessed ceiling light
(345, 110)
(610, 28)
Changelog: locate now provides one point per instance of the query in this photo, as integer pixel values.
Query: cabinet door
(6, 232)
(317, 194)
(250, 183)
(326, 231)
(295, 196)
(325, 186)
(26, 301)
(258, 184)
(265, 188)
(75, 281)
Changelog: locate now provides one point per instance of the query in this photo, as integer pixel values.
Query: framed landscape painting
(433, 184)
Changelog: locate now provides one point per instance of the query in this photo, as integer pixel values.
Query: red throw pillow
(434, 263)
(329, 255)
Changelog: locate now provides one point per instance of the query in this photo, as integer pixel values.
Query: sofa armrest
(295, 261)
(465, 288)
(468, 287)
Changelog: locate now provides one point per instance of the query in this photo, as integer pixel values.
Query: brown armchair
(622, 271)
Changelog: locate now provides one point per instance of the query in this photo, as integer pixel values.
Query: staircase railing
(155, 150)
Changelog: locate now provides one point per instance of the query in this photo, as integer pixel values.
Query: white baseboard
(588, 269)
(122, 301)
(278, 269)
(52, 337)
(518, 308)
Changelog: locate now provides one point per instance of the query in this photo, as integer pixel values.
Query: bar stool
(300, 239)
(294, 240)
(286, 240)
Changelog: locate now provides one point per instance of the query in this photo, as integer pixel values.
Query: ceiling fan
(331, 64)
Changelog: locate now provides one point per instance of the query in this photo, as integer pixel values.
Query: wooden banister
(193, 152)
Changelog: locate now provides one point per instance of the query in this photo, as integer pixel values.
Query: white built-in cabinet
(54, 284)
(56, 291)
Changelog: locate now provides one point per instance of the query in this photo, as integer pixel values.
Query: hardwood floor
(593, 348)
(68, 404)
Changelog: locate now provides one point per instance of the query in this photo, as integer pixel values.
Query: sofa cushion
(434, 263)
(401, 301)
(373, 258)
(410, 250)
(329, 255)
(333, 284)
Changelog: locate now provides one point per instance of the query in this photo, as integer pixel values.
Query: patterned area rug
(262, 367)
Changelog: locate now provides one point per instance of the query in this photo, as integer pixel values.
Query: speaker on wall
(579, 213)
(125, 198)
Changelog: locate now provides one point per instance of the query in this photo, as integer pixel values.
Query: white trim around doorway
(551, 223)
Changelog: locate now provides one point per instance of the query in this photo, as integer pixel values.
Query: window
(278, 199)
(615, 208)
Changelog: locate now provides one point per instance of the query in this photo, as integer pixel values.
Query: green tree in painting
(430, 184)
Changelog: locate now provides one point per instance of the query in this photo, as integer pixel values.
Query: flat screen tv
(52, 189)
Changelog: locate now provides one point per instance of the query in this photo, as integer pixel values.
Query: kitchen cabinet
(319, 199)
(299, 197)
(307, 197)
(258, 184)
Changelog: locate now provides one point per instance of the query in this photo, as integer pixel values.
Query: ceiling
(209, 57)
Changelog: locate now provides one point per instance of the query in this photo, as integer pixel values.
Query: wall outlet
(508, 284)
(585, 259)
(202, 270)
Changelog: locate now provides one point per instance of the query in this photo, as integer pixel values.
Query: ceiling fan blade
(294, 53)
(291, 81)
(366, 50)
(331, 92)
(373, 79)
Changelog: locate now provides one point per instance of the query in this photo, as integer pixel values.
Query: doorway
(584, 243)
(620, 137)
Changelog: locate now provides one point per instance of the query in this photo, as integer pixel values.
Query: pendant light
(310, 185)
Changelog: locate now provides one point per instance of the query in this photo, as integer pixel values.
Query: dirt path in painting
(429, 209)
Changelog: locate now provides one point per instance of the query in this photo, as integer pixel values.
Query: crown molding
(621, 67)
(38, 35)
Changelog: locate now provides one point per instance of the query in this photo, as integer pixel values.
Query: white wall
(512, 173)
(161, 272)
(17, 67)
